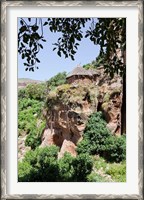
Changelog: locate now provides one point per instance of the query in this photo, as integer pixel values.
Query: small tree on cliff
(109, 33)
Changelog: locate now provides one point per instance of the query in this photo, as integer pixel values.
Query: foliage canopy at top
(109, 33)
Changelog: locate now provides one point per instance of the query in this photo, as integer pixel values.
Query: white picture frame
(5, 106)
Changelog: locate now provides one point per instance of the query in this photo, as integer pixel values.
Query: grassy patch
(117, 171)
(105, 172)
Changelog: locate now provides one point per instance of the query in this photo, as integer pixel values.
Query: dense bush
(33, 91)
(30, 105)
(57, 80)
(22, 93)
(98, 140)
(24, 172)
(117, 171)
(82, 164)
(34, 135)
(94, 177)
(115, 149)
(66, 169)
(75, 169)
(95, 135)
(42, 165)
(107, 172)
(30, 121)
(36, 91)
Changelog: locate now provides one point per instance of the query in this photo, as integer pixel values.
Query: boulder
(69, 147)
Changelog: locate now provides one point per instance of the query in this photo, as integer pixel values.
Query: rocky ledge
(70, 105)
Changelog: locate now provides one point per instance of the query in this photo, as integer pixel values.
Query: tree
(57, 80)
(109, 33)
(30, 37)
(98, 140)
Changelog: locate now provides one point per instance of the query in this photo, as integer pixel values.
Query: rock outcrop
(70, 105)
(110, 100)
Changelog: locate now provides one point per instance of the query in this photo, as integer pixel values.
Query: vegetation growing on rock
(42, 165)
(30, 119)
(97, 140)
(58, 79)
(99, 153)
(72, 95)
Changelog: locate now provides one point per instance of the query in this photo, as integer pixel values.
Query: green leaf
(22, 44)
(30, 44)
(43, 40)
(45, 23)
(22, 29)
(21, 22)
(66, 55)
(37, 60)
(41, 46)
(35, 28)
(59, 53)
(54, 49)
(51, 29)
(32, 62)
(86, 35)
(25, 64)
(72, 57)
(23, 56)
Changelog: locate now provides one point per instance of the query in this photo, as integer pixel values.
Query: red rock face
(113, 114)
(66, 128)
(67, 121)
(68, 147)
(110, 101)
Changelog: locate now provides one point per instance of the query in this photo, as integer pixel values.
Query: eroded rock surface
(110, 100)
(68, 147)
(70, 105)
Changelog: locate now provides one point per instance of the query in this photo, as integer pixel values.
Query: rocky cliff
(70, 105)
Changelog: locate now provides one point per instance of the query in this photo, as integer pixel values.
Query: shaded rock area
(110, 100)
(67, 146)
(70, 105)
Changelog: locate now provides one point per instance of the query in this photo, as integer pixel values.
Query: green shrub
(84, 146)
(34, 135)
(36, 91)
(104, 171)
(98, 140)
(115, 149)
(21, 93)
(57, 80)
(40, 165)
(100, 163)
(82, 165)
(117, 171)
(33, 91)
(95, 135)
(24, 172)
(28, 116)
(94, 177)
(66, 169)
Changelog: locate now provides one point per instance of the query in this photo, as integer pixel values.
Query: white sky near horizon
(51, 63)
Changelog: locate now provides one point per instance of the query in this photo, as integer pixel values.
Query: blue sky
(51, 63)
